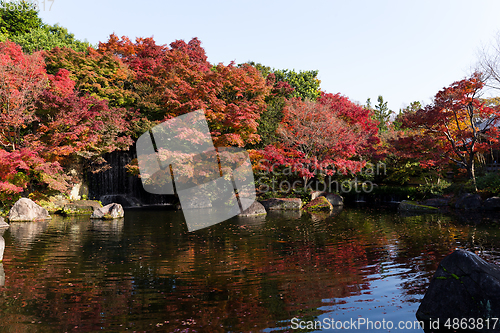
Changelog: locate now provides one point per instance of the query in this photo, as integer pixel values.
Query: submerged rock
(464, 286)
(437, 202)
(27, 210)
(108, 212)
(412, 206)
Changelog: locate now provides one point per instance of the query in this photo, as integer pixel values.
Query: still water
(146, 273)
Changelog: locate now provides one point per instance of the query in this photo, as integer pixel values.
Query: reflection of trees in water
(235, 276)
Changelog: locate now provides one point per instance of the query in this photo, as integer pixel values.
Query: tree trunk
(471, 172)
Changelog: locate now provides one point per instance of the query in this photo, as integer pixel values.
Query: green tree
(17, 18)
(305, 83)
(381, 113)
(48, 37)
(285, 84)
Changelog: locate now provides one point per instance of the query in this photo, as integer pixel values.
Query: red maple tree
(454, 128)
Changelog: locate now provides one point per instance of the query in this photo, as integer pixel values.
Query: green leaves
(48, 37)
(17, 18)
(305, 83)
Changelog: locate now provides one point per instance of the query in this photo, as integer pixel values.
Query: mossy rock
(320, 204)
(412, 206)
(81, 207)
(282, 204)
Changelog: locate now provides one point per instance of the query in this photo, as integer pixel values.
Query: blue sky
(402, 50)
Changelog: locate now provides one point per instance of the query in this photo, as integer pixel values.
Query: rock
(437, 202)
(316, 194)
(492, 203)
(320, 204)
(59, 200)
(464, 286)
(122, 199)
(81, 207)
(469, 201)
(282, 204)
(412, 206)
(3, 224)
(255, 209)
(27, 210)
(335, 199)
(108, 212)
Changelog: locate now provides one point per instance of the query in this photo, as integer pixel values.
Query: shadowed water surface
(146, 273)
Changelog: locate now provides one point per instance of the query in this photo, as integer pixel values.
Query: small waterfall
(117, 185)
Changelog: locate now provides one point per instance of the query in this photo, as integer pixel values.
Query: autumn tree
(99, 74)
(329, 135)
(22, 80)
(71, 125)
(177, 79)
(46, 123)
(455, 127)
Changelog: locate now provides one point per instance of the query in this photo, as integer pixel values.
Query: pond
(146, 273)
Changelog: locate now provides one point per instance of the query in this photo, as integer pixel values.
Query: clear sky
(402, 50)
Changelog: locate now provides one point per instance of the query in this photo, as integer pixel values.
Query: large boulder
(282, 204)
(334, 199)
(492, 203)
(27, 210)
(437, 202)
(469, 201)
(464, 286)
(316, 194)
(108, 212)
(320, 204)
(255, 209)
(3, 224)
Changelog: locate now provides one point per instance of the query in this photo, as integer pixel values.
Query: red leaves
(22, 79)
(323, 136)
(175, 80)
(455, 127)
(83, 125)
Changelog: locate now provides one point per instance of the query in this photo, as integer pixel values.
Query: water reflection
(112, 227)
(147, 273)
(25, 233)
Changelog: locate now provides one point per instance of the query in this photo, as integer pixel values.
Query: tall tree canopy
(176, 79)
(17, 18)
(45, 123)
